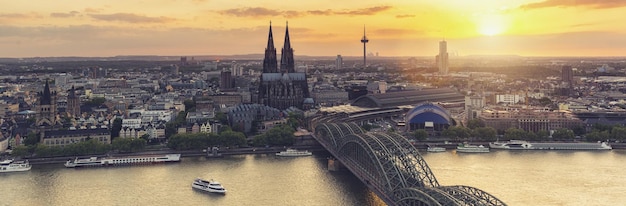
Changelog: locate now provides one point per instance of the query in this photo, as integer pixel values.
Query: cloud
(64, 15)
(92, 10)
(364, 11)
(131, 18)
(18, 15)
(251, 12)
(396, 31)
(594, 4)
(261, 12)
(405, 16)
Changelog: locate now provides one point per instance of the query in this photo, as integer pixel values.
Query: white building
(377, 87)
(131, 123)
(508, 98)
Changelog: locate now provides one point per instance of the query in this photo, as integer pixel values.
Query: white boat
(14, 166)
(524, 145)
(508, 144)
(130, 160)
(208, 186)
(293, 153)
(467, 148)
(436, 149)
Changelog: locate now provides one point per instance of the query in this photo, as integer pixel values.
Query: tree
(514, 133)
(449, 133)
(96, 101)
(420, 134)
(543, 135)
(20, 151)
(475, 123)
(597, 136)
(190, 105)
(563, 134)
(545, 101)
(232, 138)
(618, 133)
(221, 117)
(145, 137)
(116, 127)
(485, 133)
(280, 135)
(32, 139)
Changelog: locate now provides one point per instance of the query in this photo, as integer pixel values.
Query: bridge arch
(390, 165)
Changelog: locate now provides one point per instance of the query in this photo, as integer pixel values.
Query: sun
(491, 25)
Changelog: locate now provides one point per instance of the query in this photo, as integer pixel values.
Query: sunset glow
(325, 27)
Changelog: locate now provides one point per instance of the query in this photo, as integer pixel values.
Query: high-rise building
(567, 75)
(567, 81)
(282, 88)
(339, 62)
(226, 80)
(442, 58)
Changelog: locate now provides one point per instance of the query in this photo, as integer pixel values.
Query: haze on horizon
(317, 28)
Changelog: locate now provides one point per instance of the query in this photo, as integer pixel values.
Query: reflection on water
(516, 177)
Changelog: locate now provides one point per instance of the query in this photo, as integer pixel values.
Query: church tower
(73, 103)
(286, 60)
(282, 88)
(47, 108)
(269, 61)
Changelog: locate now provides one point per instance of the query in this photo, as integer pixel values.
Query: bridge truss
(392, 167)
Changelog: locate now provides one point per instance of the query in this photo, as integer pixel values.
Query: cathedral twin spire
(286, 61)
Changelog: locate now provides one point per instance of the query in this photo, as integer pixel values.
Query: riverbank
(186, 153)
(239, 151)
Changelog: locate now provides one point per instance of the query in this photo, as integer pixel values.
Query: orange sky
(320, 27)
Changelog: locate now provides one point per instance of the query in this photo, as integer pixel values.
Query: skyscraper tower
(442, 58)
(287, 64)
(269, 61)
(339, 62)
(364, 40)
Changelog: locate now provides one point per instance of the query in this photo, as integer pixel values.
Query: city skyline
(320, 28)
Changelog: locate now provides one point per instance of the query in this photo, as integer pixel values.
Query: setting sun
(491, 25)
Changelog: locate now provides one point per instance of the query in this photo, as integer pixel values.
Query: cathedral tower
(286, 60)
(73, 103)
(269, 61)
(47, 108)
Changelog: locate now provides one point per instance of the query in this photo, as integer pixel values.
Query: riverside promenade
(184, 153)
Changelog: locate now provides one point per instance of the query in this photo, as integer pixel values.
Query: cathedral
(281, 86)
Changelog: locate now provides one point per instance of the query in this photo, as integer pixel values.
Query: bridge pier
(334, 165)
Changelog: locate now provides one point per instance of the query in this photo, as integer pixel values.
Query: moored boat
(11, 165)
(208, 186)
(130, 160)
(436, 149)
(467, 148)
(524, 145)
(293, 153)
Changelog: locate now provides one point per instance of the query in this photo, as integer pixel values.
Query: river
(516, 177)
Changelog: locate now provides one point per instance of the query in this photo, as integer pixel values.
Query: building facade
(281, 88)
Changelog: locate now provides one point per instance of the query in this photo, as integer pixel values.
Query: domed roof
(428, 112)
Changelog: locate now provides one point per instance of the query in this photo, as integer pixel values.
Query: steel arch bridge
(391, 167)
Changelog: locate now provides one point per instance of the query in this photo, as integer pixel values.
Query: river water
(516, 177)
